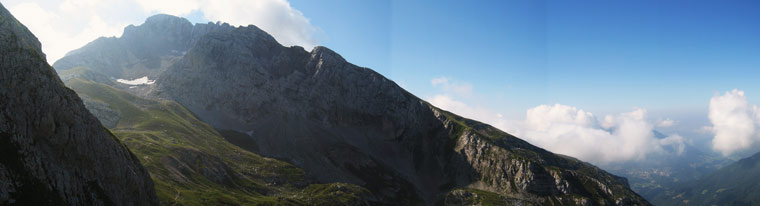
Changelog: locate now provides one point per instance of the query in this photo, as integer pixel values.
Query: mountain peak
(159, 24)
(165, 18)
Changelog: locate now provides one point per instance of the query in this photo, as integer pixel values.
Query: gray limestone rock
(52, 150)
(346, 123)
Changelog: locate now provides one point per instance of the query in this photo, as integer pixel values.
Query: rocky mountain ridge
(344, 123)
(144, 50)
(52, 150)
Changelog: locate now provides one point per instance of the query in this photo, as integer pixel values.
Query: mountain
(141, 51)
(735, 184)
(191, 162)
(52, 150)
(337, 121)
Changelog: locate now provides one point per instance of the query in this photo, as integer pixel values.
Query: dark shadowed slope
(343, 123)
(192, 164)
(52, 150)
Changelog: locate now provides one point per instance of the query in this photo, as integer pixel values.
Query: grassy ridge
(192, 164)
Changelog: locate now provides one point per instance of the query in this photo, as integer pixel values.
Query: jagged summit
(149, 48)
(166, 18)
(160, 23)
(160, 34)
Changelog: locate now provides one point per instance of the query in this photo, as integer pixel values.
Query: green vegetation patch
(470, 196)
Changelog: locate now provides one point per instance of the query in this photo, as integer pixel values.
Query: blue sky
(669, 58)
(604, 56)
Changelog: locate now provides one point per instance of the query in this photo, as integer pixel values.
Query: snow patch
(139, 81)
(249, 133)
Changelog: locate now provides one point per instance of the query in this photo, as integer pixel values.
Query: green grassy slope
(469, 196)
(192, 164)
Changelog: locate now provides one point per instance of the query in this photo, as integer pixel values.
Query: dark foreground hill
(52, 150)
(337, 121)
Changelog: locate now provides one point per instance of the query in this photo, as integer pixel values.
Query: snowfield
(139, 81)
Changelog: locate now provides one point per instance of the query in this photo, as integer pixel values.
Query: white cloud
(62, 26)
(666, 123)
(495, 119)
(733, 122)
(676, 142)
(451, 90)
(572, 131)
(65, 25)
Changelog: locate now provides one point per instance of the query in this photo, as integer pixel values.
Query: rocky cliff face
(52, 150)
(344, 123)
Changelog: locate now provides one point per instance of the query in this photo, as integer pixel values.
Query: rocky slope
(192, 164)
(735, 184)
(344, 123)
(52, 150)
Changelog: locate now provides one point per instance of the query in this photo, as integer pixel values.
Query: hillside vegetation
(192, 164)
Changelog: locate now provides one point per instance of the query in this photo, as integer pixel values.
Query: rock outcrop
(52, 150)
(344, 123)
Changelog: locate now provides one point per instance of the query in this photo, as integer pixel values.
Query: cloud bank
(734, 122)
(571, 131)
(65, 25)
